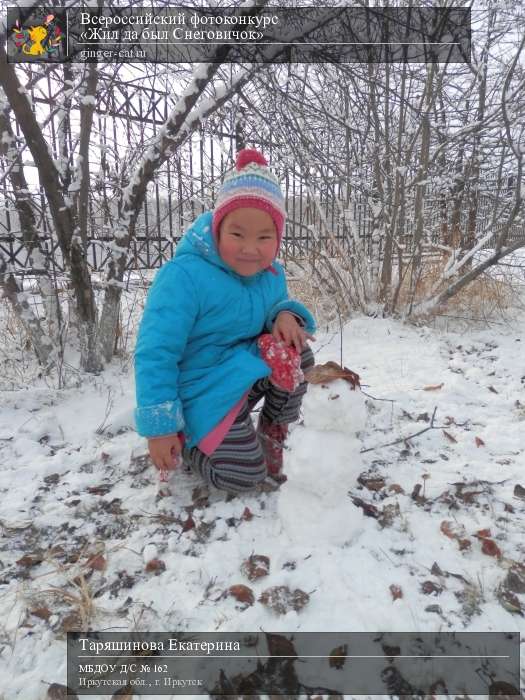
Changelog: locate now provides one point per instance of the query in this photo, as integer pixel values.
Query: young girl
(199, 367)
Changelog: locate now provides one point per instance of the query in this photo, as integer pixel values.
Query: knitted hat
(250, 184)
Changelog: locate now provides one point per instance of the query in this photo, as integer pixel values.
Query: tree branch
(407, 437)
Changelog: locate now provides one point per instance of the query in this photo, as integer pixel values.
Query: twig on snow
(408, 437)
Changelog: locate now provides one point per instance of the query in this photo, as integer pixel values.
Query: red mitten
(284, 361)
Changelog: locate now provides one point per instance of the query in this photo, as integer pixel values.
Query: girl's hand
(287, 328)
(164, 451)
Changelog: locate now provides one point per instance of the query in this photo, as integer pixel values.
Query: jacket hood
(199, 240)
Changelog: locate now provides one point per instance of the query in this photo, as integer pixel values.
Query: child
(198, 364)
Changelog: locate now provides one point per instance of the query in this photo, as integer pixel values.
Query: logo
(41, 37)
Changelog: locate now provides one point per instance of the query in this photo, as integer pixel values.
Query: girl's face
(247, 240)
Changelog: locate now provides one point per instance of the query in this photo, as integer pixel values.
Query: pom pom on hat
(249, 155)
(250, 183)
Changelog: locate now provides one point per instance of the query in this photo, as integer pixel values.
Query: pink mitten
(284, 361)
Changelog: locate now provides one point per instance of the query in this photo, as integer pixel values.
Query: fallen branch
(374, 398)
(409, 437)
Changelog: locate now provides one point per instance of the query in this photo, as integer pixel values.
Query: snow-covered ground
(422, 535)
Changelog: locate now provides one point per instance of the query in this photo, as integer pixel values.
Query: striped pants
(238, 464)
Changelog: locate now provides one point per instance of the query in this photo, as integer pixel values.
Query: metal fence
(132, 114)
(165, 218)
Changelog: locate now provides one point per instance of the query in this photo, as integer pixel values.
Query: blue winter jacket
(196, 351)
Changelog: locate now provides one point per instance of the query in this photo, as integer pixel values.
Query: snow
(7, 138)
(88, 100)
(56, 445)
(150, 552)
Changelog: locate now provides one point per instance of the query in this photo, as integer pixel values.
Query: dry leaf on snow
(42, 612)
(509, 600)
(279, 645)
(449, 529)
(256, 566)
(396, 591)
(57, 691)
(281, 599)
(335, 660)
(490, 548)
(515, 579)
(242, 594)
(455, 532)
(519, 491)
(32, 559)
(483, 534)
(97, 562)
(329, 372)
(156, 566)
(431, 588)
(188, 524)
(246, 514)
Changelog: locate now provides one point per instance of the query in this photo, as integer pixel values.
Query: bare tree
(391, 162)
(416, 144)
(67, 189)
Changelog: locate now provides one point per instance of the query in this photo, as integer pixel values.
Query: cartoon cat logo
(42, 40)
